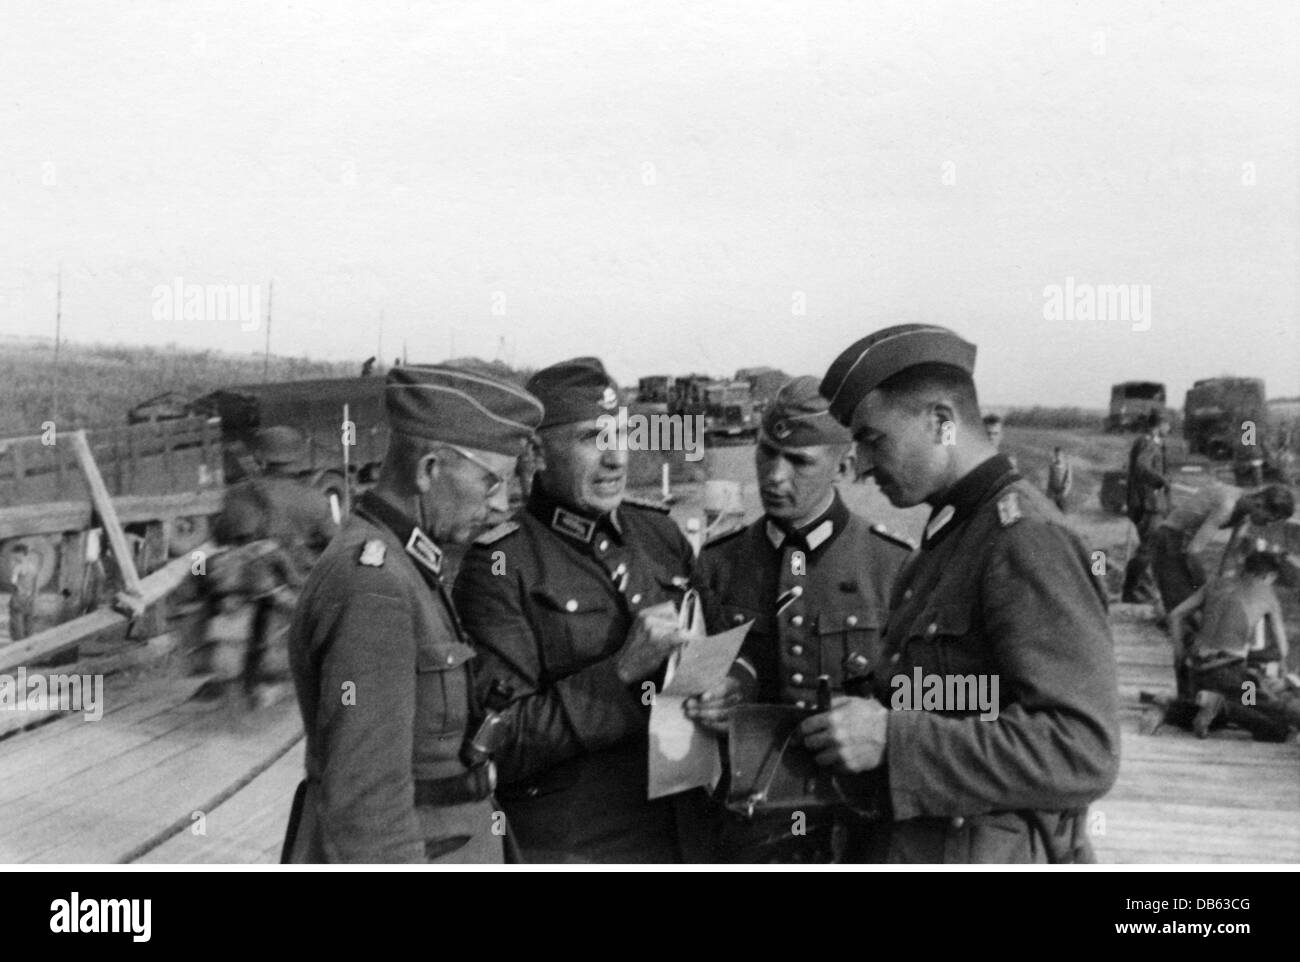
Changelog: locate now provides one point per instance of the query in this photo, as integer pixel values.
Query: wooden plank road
(114, 789)
(1179, 799)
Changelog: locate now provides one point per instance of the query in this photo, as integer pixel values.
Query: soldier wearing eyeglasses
(570, 606)
(380, 664)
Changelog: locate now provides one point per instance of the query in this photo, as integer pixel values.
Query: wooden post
(17, 451)
(107, 513)
(153, 556)
(347, 460)
(72, 574)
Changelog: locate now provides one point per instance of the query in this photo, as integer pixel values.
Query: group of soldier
(1227, 627)
(504, 715)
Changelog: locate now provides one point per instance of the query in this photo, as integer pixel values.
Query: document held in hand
(683, 755)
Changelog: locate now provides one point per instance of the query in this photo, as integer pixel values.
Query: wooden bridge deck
(126, 788)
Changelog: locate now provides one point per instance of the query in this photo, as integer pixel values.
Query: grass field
(95, 385)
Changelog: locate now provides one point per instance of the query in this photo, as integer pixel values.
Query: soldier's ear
(848, 466)
(943, 414)
(537, 453)
(427, 470)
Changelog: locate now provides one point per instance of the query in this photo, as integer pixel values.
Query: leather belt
(473, 785)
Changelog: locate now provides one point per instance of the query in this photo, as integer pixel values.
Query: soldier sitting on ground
(1236, 663)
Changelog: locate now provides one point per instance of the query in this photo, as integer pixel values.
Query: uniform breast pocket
(577, 628)
(945, 641)
(850, 636)
(442, 689)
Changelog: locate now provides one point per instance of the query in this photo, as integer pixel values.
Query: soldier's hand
(850, 737)
(653, 637)
(712, 710)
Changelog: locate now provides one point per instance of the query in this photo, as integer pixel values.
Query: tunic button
(796, 591)
(931, 628)
(958, 822)
(571, 604)
(851, 620)
(797, 620)
(907, 593)
(451, 660)
(636, 599)
(737, 619)
(801, 704)
(797, 678)
(604, 545)
(796, 650)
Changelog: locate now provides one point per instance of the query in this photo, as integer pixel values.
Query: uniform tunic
(383, 683)
(548, 601)
(1178, 574)
(843, 569)
(1000, 587)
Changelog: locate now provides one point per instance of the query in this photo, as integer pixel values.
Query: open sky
(674, 186)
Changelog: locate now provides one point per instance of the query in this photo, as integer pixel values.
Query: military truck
(654, 389)
(1131, 404)
(1215, 410)
(729, 412)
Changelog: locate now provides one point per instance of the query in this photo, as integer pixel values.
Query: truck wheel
(186, 534)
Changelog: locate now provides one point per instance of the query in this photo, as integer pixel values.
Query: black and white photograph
(599, 436)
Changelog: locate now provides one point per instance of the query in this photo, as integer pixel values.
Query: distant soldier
(381, 667)
(815, 580)
(571, 606)
(24, 571)
(1148, 491)
(993, 428)
(1060, 478)
(279, 526)
(1000, 592)
(1179, 538)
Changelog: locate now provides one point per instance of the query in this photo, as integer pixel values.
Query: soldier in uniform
(380, 665)
(1148, 490)
(815, 579)
(24, 572)
(1000, 591)
(570, 606)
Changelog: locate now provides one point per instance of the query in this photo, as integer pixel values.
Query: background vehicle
(1131, 404)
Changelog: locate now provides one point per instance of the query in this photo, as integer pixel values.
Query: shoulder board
(493, 535)
(642, 503)
(880, 531)
(1009, 508)
(373, 553)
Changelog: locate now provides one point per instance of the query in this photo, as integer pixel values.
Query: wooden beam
(107, 513)
(59, 516)
(72, 633)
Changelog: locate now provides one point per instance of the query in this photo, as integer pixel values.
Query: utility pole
(58, 336)
(266, 356)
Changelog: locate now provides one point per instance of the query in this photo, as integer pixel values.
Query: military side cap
(880, 355)
(280, 444)
(443, 403)
(574, 390)
(799, 417)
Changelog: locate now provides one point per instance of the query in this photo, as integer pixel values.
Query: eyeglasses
(494, 480)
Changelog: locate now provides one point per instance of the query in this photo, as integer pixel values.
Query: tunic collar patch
(572, 524)
(421, 547)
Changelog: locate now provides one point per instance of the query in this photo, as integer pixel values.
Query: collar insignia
(421, 547)
(573, 525)
(939, 520)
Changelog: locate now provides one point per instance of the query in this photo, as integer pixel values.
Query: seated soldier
(1236, 662)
